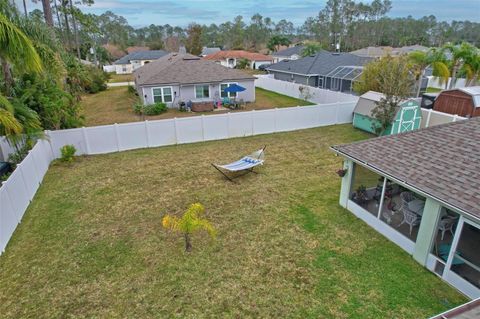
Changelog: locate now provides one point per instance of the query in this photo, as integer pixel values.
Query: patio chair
(409, 217)
(246, 164)
(444, 251)
(447, 224)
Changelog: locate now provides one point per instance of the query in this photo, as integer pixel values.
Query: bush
(152, 109)
(131, 90)
(68, 151)
(20, 153)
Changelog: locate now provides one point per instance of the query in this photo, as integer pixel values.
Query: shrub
(20, 153)
(68, 151)
(151, 109)
(131, 90)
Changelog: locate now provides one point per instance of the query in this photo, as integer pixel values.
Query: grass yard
(115, 106)
(91, 244)
(115, 78)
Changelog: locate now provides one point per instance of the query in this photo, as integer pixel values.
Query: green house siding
(408, 118)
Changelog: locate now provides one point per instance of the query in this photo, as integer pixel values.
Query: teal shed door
(408, 119)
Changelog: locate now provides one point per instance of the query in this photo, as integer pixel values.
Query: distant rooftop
(207, 51)
(295, 50)
(176, 68)
(238, 54)
(141, 55)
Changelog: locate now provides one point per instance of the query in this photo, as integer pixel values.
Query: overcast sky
(145, 12)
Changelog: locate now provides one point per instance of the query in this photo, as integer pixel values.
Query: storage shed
(407, 118)
(462, 101)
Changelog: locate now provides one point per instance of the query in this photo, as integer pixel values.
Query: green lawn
(433, 90)
(115, 106)
(115, 78)
(91, 244)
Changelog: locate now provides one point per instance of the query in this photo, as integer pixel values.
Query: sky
(174, 12)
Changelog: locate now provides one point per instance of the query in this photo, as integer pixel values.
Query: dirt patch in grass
(91, 244)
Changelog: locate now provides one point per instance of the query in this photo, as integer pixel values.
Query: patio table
(417, 206)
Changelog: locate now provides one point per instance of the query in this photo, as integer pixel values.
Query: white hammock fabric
(245, 163)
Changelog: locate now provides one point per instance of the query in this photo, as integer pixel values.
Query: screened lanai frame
(339, 75)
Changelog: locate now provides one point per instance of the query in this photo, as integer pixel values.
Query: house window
(223, 86)
(320, 82)
(124, 68)
(163, 94)
(202, 91)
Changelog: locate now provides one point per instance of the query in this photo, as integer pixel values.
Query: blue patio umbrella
(234, 88)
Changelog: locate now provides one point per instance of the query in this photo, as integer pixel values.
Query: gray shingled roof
(207, 51)
(441, 161)
(320, 64)
(290, 51)
(141, 55)
(176, 68)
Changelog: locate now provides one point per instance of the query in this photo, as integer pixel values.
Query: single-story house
(177, 78)
(462, 101)
(408, 116)
(137, 59)
(420, 190)
(207, 51)
(292, 53)
(230, 58)
(326, 70)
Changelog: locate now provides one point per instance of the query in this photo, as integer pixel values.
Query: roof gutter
(404, 183)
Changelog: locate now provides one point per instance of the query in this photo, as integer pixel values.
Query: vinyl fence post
(228, 125)
(176, 129)
(427, 123)
(117, 137)
(146, 133)
(85, 138)
(49, 139)
(455, 117)
(203, 127)
(275, 112)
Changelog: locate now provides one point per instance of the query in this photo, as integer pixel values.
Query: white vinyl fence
(433, 118)
(17, 192)
(318, 95)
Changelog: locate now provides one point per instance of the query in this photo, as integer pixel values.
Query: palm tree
(9, 125)
(471, 67)
(459, 54)
(311, 48)
(433, 58)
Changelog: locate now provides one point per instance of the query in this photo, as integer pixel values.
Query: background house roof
(176, 68)
(141, 55)
(319, 64)
(238, 54)
(295, 50)
(207, 51)
(442, 161)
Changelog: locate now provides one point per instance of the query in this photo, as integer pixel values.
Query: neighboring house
(177, 78)
(462, 101)
(292, 53)
(420, 190)
(381, 51)
(136, 49)
(408, 116)
(207, 51)
(326, 70)
(230, 58)
(135, 60)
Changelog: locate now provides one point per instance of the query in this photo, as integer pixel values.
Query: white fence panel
(345, 112)
(5, 149)
(161, 132)
(264, 121)
(215, 127)
(327, 114)
(286, 119)
(189, 129)
(74, 137)
(241, 124)
(30, 175)
(18, 194)
(101, 139)
(433, 118)
(132, 136)
(8, 221)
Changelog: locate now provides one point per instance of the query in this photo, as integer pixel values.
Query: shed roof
(443, 161)
(176, 68)
(295, 50)
(141, 55)
(367, 102)
(238, 54)
(319, 64)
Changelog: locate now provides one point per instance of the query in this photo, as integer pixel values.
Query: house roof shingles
(295, 50)
(141, 55)
(319, 64)
(238, 54)
(442, 161)
(176, 68)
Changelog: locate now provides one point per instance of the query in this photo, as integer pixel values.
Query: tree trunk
(7, 75)
(47, 12)
(59, 21)
(419, 88)
(25, 8)
(454, 77)
(188, 244)
(67, 26)
(75, 31)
